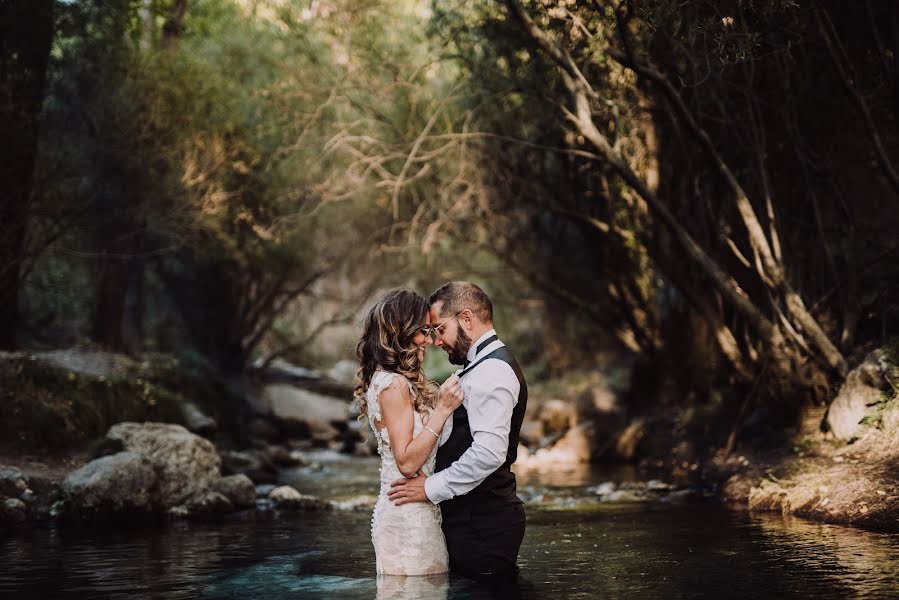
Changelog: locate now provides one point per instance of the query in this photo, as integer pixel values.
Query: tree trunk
(133, 307)
(26, 33)
(115, 278)
(174, 24)
(769, 267)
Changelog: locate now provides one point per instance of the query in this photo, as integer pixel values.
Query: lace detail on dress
(408, 539)
(380, 381)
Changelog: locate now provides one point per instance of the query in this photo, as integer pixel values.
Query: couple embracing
(448, 497)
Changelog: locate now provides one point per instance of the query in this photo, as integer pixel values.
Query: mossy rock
(44, 405)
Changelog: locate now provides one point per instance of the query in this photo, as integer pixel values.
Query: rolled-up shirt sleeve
(491, 393)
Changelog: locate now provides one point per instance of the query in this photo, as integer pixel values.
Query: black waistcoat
(498, 489)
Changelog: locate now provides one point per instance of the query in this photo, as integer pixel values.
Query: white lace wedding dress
(407, 539)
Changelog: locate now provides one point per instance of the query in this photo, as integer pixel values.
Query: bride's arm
(398, 416)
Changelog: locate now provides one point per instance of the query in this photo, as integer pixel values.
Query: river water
(575, 547)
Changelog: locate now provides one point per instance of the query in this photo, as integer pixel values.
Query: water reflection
(426, 587)
(864, 561)
(283, 577)
(586, 551)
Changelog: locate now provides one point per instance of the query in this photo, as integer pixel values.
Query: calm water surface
(575, 547)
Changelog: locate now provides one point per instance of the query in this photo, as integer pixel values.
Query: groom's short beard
(459, 352)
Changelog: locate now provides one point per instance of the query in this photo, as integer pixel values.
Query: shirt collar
(473, 351)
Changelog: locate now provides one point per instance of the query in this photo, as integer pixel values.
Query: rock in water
(187, 464)
(287, 498)
(12, 482)
(118, 482)
(603, 489)
(239, 489)
(12, 510)
(210, 503)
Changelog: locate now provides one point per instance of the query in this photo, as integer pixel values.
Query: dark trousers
(483, 540)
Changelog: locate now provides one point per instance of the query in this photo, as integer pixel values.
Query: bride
(407, 415)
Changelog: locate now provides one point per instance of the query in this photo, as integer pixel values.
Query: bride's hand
(450, 396)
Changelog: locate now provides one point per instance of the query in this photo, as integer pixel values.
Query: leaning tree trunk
(26, 33)
(781, 335)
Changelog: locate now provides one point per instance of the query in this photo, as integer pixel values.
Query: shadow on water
(574, 548)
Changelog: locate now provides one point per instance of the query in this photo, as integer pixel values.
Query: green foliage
(194, 162)
(45, 406)
(50, 407)
(217, 190)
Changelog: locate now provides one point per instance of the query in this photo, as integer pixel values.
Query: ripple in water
(574, 548)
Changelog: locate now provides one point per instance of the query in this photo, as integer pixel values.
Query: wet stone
(13, 510)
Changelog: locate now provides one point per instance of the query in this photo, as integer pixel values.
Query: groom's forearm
(486, 454)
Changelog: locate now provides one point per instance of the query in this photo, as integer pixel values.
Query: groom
(483, 518)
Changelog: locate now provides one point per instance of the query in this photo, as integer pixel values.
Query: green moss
(45, 406)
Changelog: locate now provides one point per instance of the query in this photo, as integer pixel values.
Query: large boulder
(861, 389)
(126, 481)
(289, 404)
(187, 464)
(298, 412)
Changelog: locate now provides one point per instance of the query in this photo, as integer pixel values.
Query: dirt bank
(822, 478)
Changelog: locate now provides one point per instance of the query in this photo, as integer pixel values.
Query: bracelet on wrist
(436, 435)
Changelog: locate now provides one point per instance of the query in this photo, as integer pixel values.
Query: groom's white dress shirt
(491, 392)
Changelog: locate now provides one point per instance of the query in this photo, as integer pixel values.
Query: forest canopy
(709, 187)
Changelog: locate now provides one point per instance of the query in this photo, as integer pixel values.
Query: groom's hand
(403, 491)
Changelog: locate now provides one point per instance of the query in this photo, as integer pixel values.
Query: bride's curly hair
(386, 343)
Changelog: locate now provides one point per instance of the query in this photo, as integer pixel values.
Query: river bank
(840, 465)
(832, 463)
(825, 479)
(630, 550)
(298, 421)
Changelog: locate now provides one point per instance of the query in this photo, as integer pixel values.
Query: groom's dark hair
(459, 295)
